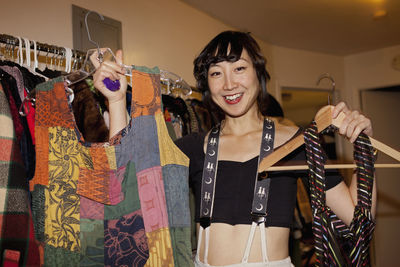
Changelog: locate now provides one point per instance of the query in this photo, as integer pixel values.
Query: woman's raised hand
(114, 71)
(354, 123)
(116, 99)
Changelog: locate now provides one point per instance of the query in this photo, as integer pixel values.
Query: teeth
(233, 97)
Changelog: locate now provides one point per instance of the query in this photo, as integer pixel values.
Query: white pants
(265, 263)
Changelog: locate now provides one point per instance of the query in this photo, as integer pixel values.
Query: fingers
(122, 77)
(104, 71)
(109, 69)
(119, 57)
(114, 71)
(341, 107)
(353, 124)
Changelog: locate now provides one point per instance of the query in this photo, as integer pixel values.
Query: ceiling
(337, 27)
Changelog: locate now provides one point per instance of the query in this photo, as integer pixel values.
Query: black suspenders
(261, 188)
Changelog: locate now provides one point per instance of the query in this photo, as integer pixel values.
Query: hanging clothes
(22, 132)
(204, 117)
(87, 113)
(124, 202)
(337, 244)
(180, 117)
(17, 242)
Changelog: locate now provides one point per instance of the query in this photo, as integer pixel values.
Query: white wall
(370, 70)
(168, 34)
(299, 68)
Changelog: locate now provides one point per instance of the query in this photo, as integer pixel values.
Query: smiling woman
(246, 59)
(234, 85)
(231, 73)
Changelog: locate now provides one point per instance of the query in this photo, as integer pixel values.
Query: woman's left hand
(354, 123)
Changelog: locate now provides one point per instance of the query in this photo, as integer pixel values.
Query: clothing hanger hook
(13, 49)
(88, 33)
(328, 76)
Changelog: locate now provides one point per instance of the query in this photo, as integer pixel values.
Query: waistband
(280, 263)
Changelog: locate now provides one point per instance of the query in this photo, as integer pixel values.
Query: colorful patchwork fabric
(17, 242)
(337, 244)
(121, 203)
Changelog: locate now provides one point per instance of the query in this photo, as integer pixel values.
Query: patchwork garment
(337, 244)
(17, 242)
(121, 203)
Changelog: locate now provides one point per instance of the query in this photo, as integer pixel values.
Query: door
(383, 108)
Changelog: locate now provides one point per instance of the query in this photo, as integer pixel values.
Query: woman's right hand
(114, 71)
(116, 99)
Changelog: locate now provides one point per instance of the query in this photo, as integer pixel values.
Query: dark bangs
(221, 49)
(217, 51)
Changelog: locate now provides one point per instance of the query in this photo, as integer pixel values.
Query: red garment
(30, 117)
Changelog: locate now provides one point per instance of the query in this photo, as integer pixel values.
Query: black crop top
(235, 185)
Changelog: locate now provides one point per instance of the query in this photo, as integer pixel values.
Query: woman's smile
(233, 99)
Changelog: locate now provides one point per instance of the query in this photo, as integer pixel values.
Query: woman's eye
(241, 68)
(214, 73)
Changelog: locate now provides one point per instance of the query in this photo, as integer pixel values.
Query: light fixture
(379, 14)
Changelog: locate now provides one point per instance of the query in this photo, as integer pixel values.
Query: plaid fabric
(337, 244)
(17, 243)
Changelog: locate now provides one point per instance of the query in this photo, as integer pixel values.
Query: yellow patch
(160, 249)
(169, 152)
(62, 225)
(112, 162)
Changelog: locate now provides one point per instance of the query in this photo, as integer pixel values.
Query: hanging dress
(337, 244)
(123, 202)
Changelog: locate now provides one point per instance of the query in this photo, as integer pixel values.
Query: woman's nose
(230, 83)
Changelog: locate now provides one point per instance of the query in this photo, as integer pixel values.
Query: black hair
(217, 51)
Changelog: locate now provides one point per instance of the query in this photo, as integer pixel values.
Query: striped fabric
(337, 244)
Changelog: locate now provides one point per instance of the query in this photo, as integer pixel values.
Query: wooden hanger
(323, 118)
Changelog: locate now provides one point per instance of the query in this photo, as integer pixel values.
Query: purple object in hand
(112, 85)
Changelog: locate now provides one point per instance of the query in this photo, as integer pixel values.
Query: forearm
(118, 118)
(353, 192)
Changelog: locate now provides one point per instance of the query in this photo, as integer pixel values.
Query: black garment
(203, 115)
(235, 185)
(177, 106)
(51, 74)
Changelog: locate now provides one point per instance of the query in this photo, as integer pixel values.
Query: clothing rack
(173, 83)
(14, 42)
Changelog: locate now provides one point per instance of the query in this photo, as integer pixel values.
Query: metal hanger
(328, 76)
(175, 84)
(99, 54)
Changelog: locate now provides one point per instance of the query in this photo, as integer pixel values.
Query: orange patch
(6, 149)
(146, 98)
(42, 153)
(94, 184)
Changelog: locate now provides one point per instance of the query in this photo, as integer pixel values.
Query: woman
(231, 73)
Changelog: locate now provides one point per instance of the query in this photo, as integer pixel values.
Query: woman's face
(234, 86)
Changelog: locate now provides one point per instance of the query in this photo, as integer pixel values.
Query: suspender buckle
(205, 222)
(258, 218)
